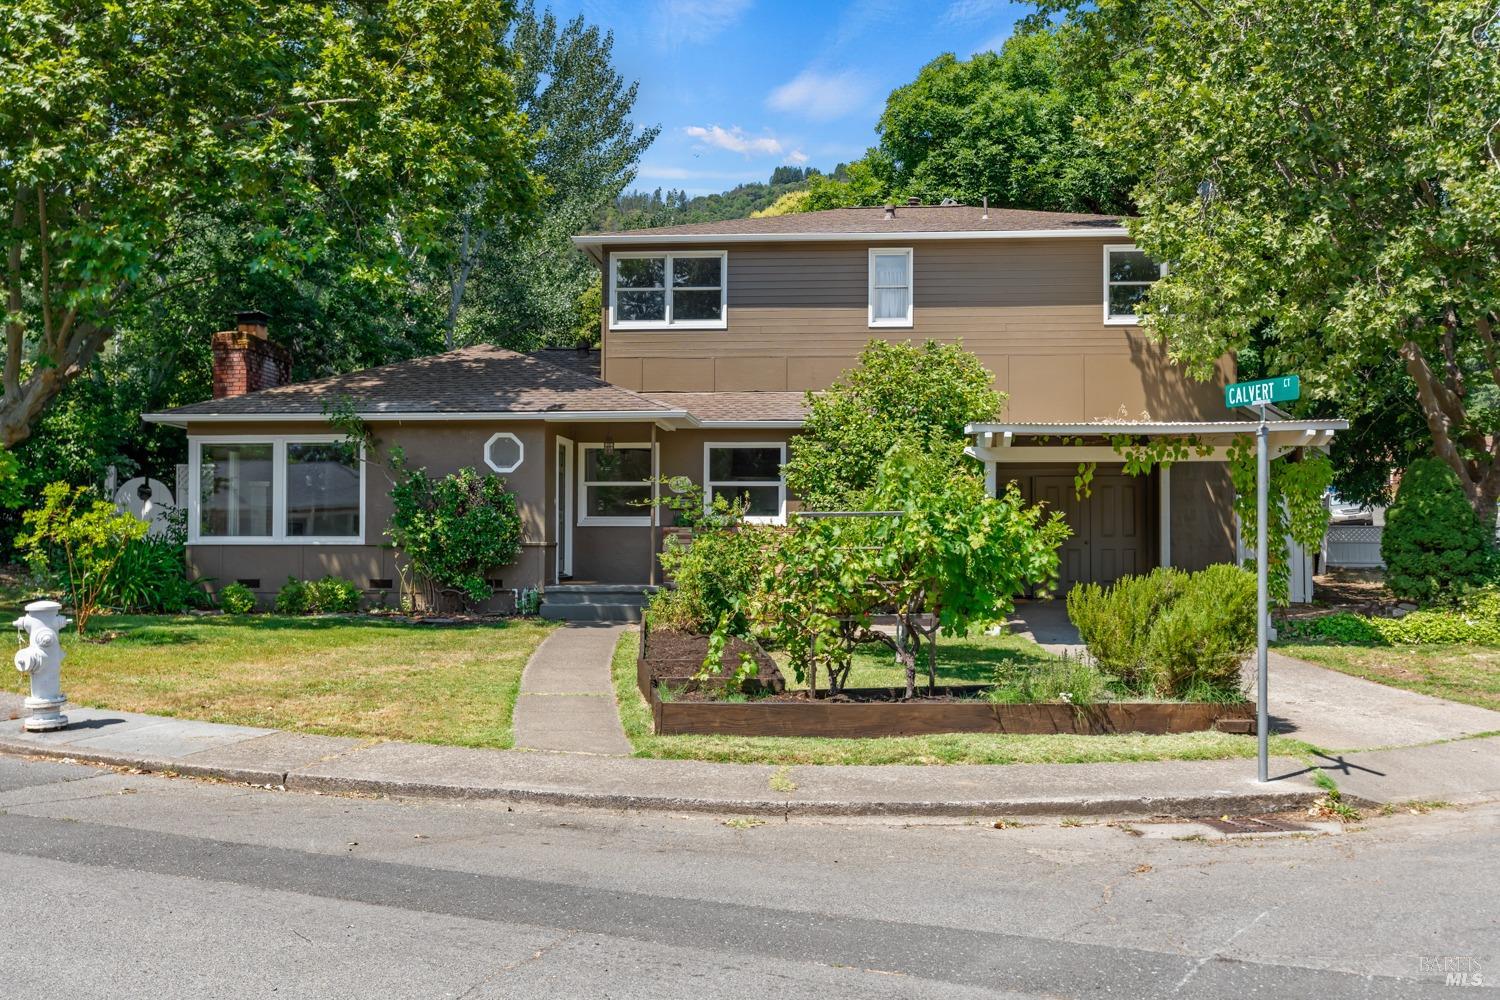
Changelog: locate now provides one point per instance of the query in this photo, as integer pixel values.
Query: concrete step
(595, 602)
(591, 612)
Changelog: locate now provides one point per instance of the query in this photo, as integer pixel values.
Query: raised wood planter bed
(870, 718)
(677, 666)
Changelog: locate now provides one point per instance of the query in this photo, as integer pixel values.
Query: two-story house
(712, 336)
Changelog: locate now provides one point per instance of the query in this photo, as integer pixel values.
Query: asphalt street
(126, 885)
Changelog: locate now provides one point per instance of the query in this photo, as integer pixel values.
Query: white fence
(1354, 546)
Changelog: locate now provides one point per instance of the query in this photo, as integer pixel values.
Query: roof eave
(644, 237)
(177, 419)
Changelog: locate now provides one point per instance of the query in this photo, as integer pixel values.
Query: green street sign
(1280, 389)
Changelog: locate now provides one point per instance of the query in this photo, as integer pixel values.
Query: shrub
(237, 599)
(1170, 634)
(1434, 546)
(332, 594)
(1342, 627)
(87, 535)
(715, 580)
(291, 599)
(151, 575)
(1195, 647)
(455, 530)
(1115, 621)
(1475, 621)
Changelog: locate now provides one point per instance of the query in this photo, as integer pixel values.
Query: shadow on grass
(165, 630)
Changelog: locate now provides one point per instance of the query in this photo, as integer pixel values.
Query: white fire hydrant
(42, 660)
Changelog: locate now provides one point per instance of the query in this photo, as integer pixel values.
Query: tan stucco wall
(440, 447)
(623, 554)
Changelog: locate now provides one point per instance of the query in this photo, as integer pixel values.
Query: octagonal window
(503, 452)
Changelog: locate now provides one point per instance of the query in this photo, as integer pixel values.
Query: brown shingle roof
(712, 407)
(479, 379)
(872, 221)
(587, 362)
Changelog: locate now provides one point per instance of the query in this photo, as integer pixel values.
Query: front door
(1109, 527)
(562, 508)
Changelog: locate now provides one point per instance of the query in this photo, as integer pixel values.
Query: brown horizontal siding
(797, 317)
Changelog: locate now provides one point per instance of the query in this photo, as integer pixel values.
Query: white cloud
(821, 96)
(735, 140)
(679, 22)
(797, 156)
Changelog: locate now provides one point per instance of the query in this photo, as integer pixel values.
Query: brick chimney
(245, 361)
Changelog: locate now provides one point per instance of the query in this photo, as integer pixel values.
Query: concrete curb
(1249, 801)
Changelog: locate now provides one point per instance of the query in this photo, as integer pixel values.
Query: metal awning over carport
(1075, 443)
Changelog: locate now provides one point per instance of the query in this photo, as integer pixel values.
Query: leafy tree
(862, 182)
(327, 133)
(643, 209)
(899, 393)
(788, 204)
(1433, 545)
(1001, 126)
(515, 280)
(88, 533)
(954, 557)
(1323, 177)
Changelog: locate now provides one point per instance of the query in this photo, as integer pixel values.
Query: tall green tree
(901, 393)
(1324, 177)
(517, 282)
(1001, 126)
(329, 130)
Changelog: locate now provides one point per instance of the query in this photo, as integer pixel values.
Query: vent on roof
(949, 202)
(890, 210)
(914, 200)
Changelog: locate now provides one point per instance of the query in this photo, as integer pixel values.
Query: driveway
(1312, 703)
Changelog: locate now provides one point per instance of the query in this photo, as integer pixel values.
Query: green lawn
(960, 661)
(335, 676)
(1470, 674)
(949, 748)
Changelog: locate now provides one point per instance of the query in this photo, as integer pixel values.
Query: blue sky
(740, 86)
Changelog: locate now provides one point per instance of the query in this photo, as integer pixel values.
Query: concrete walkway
(567, 700)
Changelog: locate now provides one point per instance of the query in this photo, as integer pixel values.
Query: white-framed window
(614, 484)
(299, 489)
(747, 470)
(891, 286)
(1128, 275)
(679, 289)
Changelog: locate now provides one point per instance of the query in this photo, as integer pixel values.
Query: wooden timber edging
(862, 719)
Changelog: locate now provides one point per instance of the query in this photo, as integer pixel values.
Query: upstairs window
(664, 290)
(890, 287)
(1128, 275)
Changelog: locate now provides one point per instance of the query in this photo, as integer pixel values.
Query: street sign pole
(1262, 593)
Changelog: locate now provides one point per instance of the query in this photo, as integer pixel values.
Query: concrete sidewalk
(1466, 771)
